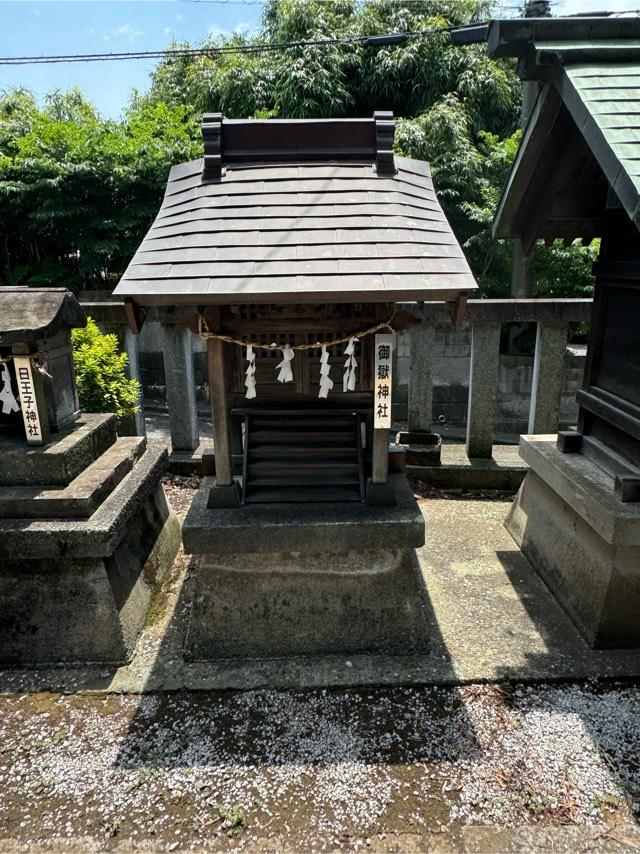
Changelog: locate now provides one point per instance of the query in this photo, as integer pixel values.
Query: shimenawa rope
(205, 333)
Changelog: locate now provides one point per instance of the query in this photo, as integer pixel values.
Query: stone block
(82, 497)
(421, 449)
(61, 459)
(343, 526)
(80, 590)
(258, 606)
(582, 540)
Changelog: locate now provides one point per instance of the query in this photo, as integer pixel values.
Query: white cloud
(127, 30)
(179, 18)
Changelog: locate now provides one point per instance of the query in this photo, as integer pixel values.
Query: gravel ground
(320, 769)
(389, 769)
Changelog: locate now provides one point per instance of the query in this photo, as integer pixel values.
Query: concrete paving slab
(490, 615)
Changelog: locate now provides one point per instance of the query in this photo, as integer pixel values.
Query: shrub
(103, 385)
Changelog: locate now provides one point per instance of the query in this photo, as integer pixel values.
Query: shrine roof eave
(28, 315)
(317, 295)
(298, 233)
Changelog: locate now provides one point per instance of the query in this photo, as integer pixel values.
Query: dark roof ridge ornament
(259, 141)
(212, 137)
(385, 132)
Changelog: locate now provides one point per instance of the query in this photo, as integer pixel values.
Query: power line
(383, 40)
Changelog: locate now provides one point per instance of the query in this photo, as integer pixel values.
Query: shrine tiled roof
(587, 74)
(298, 230)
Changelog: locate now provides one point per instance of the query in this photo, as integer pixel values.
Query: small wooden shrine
(38, 395)
(576, 176)
(85, 529)
(286, 247)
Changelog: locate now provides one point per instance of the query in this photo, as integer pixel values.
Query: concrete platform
(276, 605)
(582, 539)
(490, 617)
(79, 590)
(83, 495)
(60, 460)
(98, 536)
(505, 470)
(329, 527)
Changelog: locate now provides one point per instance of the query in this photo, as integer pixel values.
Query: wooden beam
(380, 462)
(218, 391)
(136, 315)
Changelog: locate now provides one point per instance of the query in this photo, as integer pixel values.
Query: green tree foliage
(103, 385)
(77, 193)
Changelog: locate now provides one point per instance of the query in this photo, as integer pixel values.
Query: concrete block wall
(451, 379)
(451, 382)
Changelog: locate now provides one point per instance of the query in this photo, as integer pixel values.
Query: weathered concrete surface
(60, 460)
(547, 840)
(342, 526)
(579, 537)
(90, 610)
(78, 589)
(80, 498)
(585, 487)
(279, 605)
(548, 377)
(181, 387)
(483, 387)
(505, 470)
(98, 536)
(490, 617)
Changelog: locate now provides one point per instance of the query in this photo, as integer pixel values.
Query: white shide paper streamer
(349, 376)
(326, 384)
(285, 374)
(250, 380)
(7, 397)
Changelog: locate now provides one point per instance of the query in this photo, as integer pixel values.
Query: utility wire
(383, 40)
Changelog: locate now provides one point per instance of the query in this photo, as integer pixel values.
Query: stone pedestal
(85, 534)
(259, 605)
(582, 540)
(421, 449)
(283, 580)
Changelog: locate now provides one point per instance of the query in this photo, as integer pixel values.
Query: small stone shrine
(84, 524)
(285, 248)
(577, 516)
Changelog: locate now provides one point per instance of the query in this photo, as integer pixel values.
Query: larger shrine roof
(583, 133)
(300, 225)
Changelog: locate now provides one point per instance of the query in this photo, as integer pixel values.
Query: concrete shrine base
(280, 580)
(582, 540)
(78, 589)
(262, 606)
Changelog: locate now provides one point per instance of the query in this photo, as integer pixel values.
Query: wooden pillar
(225, 492)
(379, 490)
(380, 461)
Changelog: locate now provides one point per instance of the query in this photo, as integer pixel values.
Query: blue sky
(37, 27)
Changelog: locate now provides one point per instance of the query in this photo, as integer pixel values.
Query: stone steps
(62, 459)
(80, 498)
